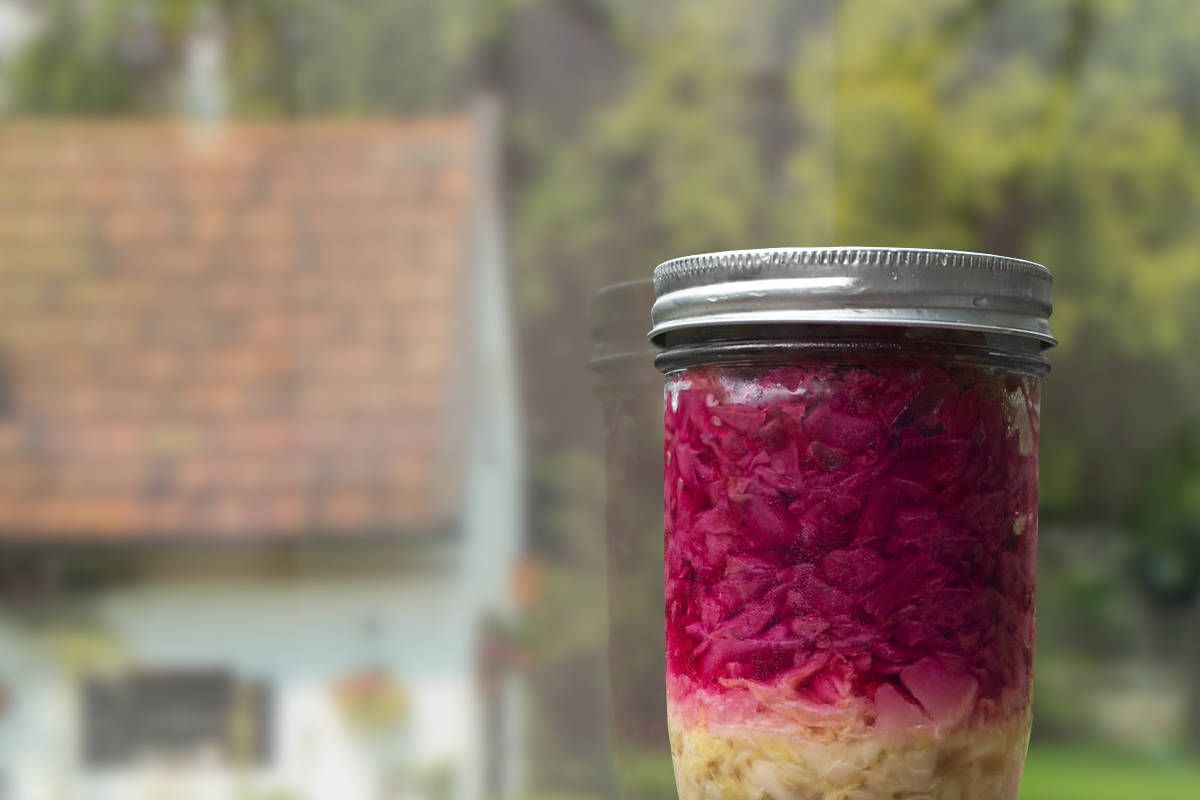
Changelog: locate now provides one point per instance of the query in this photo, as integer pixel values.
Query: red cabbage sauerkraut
(855, 541)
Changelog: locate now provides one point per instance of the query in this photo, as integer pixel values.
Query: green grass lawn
(1051, 773)
(1054, 773)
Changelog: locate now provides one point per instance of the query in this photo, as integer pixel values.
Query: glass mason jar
(851, 520)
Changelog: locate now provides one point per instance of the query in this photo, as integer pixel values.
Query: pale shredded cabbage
(747, 764)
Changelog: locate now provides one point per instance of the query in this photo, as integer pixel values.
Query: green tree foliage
(1166, 554)
(1168, 515)
(285, 57)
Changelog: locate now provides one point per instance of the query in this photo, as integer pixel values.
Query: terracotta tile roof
(252, 334)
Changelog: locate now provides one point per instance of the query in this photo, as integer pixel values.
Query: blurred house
(259, 465)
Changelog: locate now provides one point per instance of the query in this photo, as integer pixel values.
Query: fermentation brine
(851, 521)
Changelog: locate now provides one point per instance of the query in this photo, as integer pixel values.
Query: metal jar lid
(853, 286)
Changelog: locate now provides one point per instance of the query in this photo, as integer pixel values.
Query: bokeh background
(322, 473)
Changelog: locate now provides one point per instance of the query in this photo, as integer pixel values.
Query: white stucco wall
(34, 719)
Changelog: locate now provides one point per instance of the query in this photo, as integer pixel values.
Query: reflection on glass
(630, 391)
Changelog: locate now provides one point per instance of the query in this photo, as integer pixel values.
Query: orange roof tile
(251, 334)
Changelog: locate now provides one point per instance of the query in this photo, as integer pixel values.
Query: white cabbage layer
(741, 762)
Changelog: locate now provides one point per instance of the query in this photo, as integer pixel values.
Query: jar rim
(1014, 354)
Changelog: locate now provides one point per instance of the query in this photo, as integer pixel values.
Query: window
(175, 713)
